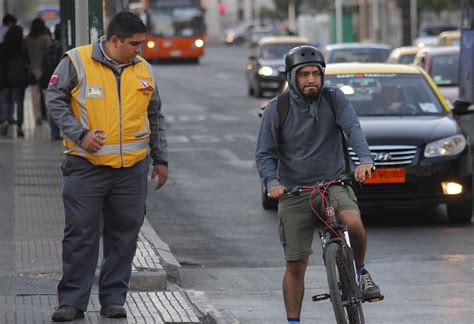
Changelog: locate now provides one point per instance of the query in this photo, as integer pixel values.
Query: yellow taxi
(403, 55)
(449, 38)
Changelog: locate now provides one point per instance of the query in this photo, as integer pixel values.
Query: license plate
(388, 175)
(175, 53)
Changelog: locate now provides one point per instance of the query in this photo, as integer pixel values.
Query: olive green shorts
(298, 222)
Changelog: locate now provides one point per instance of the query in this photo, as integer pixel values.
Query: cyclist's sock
(293, 320)
(361, 270)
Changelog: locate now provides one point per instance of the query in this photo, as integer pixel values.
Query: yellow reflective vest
(117, 105)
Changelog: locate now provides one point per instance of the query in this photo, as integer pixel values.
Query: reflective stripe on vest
(115, 149)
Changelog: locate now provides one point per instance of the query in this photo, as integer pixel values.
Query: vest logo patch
(53, 79)
(146, 85)
(94, 92)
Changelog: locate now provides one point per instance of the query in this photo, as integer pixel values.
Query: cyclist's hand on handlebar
(276, 192)
(361, 171)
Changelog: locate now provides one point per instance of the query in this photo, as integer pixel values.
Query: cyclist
(307, 149)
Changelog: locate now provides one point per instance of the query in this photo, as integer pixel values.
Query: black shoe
(19, 133)
(368, 287)
(113, 311)
(67, 313)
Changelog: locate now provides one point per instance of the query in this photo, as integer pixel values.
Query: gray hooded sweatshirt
(310, 148)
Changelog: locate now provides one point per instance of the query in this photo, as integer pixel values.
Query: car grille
(389, 155)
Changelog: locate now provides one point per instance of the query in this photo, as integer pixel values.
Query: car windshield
(388, 94)
(358, 55)
(276, 51)
(445, 70)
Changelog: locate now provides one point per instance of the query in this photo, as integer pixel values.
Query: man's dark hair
(124, 25)
(9, 19)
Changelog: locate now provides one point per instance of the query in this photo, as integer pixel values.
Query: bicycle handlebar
(344, 180)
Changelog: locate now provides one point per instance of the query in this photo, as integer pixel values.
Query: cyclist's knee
(298, 267)
(351, 218)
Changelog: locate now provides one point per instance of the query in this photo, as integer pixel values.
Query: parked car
(266, 67)
(449, 38)
(356, 52)
(428, 33)
(442, 64)
(420, 151)
(403, 55)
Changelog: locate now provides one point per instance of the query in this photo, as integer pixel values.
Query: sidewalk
(31, 230)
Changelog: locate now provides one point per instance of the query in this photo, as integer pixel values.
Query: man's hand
(361, 170)
(276, 192)
(91, 143)
(160, 172)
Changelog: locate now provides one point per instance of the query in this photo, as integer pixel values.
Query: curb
(171, 266)
(208, 313)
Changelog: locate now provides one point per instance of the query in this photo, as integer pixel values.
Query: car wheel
(251, 91)
(258, 91)
(460, 212)
(267, 203)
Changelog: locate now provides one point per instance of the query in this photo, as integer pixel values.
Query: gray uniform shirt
(58, 99)
(310, 148)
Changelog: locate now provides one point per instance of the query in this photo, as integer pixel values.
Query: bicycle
(344, 292)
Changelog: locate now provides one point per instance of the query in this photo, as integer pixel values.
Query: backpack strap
(283, 107)
(327, 95)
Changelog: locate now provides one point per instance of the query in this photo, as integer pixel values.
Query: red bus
(175, 29)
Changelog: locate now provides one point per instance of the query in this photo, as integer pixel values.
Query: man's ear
(114, 40)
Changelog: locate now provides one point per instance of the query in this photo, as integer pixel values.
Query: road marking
(233, 160)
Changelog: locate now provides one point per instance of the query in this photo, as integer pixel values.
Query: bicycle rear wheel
(339, 274)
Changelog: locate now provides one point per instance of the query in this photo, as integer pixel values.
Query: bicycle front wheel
(346, 308)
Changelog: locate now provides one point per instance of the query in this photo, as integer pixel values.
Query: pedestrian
(16, 62)
(306, 149)
(7, 21)
(37, 42)
(51, 59)
(105, 100)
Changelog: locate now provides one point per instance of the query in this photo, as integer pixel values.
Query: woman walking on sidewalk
(37, 42)
(15, 59)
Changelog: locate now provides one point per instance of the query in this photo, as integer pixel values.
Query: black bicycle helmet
(303, 55)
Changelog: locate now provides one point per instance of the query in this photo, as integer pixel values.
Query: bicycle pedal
(374, 300)
(320, 297)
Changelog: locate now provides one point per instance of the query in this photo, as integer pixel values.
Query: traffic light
(222, 8)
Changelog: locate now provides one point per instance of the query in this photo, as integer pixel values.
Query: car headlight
(448, 146)
(199, 43)
(150, 44)
(267, 71)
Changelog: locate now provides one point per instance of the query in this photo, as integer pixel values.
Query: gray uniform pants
(89, 193)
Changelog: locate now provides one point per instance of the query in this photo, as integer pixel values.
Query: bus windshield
(175, 22)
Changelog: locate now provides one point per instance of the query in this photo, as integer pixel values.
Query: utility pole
(82, 21)
(376, 20)
(292, 16)
(466, 59)
(413, 20)
(338, 21)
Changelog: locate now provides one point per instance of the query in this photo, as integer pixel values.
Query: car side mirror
(461, 107)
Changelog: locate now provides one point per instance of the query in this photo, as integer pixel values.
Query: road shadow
(430, 216)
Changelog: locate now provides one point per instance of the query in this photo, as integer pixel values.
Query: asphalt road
(210, 215)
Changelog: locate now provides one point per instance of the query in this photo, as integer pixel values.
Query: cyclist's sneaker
(368, 287)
